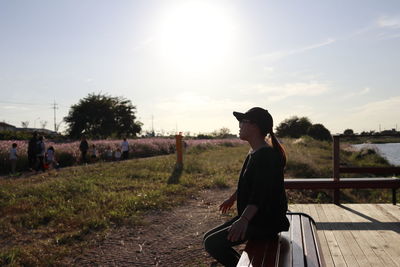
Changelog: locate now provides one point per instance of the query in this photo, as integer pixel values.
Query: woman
(260, 195)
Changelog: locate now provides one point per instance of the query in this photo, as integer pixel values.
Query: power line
(21, 103)
(31, 104)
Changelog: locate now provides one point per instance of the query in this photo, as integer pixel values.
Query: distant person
(32, 151)
(260, 195)
(40, 153)
(51, 158)
(83, 147)
(13, 158)
(109, 154)
(125, 149)
(117, 154)
(93, 153)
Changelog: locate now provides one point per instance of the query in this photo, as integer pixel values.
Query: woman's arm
(227, 204)
(238, 228)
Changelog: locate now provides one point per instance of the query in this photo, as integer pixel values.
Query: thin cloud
(389, 22)
(363, 91)
(391, 104)
(284, 53)
(391, 27)
(374, 113)
(197, 113)
(279, 92)
(9, 107)
(198, 103)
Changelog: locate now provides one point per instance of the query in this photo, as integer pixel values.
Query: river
(390, 151)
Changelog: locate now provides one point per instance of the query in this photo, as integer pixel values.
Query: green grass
(49, 216)
(45, 217)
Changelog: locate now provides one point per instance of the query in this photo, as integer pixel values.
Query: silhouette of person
(260, 195)
(13, 157)
(40, 153)
(83, 147)
(32, 151)
(125, 149)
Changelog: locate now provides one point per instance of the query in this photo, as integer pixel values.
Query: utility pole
(152, 125)
(54, 109)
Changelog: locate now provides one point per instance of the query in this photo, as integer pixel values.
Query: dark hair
(276, 145)
(14, 145)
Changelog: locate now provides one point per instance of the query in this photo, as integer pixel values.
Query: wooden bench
(330, 183)
(297, 247)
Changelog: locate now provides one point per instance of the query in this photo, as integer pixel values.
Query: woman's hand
(227, 205)
(238, 230)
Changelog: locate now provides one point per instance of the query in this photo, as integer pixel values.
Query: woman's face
(246, 128)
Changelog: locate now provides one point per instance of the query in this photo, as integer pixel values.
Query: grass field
(49, 216)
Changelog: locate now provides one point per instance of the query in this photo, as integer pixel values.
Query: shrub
(319, 132)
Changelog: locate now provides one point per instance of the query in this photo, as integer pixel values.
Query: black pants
(32, 161)
(125, 155)
(83, 156)
(219, 247)
(40, 163)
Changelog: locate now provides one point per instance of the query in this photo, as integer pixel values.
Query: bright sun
(196, 36)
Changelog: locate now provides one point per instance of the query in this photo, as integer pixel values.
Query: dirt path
(171, 238)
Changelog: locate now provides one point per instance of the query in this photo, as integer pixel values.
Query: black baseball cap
(259, 116)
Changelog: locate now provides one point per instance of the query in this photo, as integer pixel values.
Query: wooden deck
(357, 234)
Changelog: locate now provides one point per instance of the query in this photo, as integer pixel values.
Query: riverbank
(389, 151)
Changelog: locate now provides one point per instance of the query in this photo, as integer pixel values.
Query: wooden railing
(337, 169)
(336, 183)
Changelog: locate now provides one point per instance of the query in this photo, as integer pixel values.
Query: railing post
(336, 165)
(179, 152)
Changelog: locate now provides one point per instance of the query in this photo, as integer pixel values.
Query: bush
(319, 132)
(293, 127)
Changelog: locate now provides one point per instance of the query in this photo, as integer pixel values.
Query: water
(390, 151)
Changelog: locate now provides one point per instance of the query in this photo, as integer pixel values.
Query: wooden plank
(306, 209)
(362, 235)
(392, 211)
(355, 248)
(297, 242)
(333, 212)
(335, 252)
(388, 239)
(374, 170)
(326, 254)
(348, 233)
(310, 249)
(329, 183)
(285, 258)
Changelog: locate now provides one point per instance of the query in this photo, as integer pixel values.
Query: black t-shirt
(261, 184)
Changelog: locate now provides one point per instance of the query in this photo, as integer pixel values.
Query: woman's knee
(210, 243)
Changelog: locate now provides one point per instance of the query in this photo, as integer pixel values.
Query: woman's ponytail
(276, 145)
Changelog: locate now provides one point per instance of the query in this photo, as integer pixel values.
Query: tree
(319, 132)
(222, 133)
(25, 124)
(293, 127)
(43, 124)
(348, 132)
(102, 116)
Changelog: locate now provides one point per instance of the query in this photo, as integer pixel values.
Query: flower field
(68, 154)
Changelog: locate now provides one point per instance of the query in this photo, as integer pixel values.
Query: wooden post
(179, 152)
(336, 165)
(394, 196)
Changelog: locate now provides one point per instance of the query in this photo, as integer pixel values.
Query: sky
(186, 65)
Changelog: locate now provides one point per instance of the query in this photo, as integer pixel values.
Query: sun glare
(196, 36)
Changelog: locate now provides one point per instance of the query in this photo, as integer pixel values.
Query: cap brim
(239, 116)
